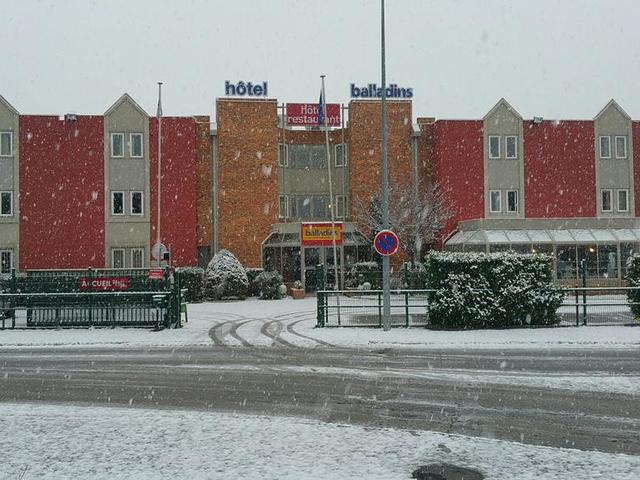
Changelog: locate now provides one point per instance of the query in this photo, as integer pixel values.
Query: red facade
(635, 126)
(457, 165)
(178, 188)
(61, 192)
(559, 169)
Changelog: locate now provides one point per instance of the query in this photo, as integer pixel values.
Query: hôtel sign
(320, 234)
(306, 114)
(245, 89)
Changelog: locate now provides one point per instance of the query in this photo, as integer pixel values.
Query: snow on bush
(191, 278)
(268, 284)
(413, 275)
(225, 277)
(633, 277)
(252, 274)
(364, 272)
(498, 290)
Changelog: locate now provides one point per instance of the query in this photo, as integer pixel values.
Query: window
(117, 258)
(494, 146)
(340, 156)
(117, 203)
(606, 203)
(512, 201)
(117, 145)
(283, 155)
(6, 144)
(341, 206)
(284, 207)
(136, 203)
(495, 201)
(623, 200)
(605, 147)
(135, 145)
(137, 257)
(621, 146)
(511, 146)
(6, 261)
(6, 204)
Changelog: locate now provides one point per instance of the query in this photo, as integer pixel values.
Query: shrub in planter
(225, 277)
(192, 278)
(252, 274)
(520, 286)
(269, 285)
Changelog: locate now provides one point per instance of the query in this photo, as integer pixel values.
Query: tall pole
(159, 169)
(331, 199)
(386, 284)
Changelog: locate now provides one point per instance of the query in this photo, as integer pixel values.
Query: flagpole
(160, 252)
(323, 104)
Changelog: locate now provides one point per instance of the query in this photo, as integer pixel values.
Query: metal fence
(85, 298)
(410, 308)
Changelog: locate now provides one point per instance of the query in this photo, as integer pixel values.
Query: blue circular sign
(386, 242)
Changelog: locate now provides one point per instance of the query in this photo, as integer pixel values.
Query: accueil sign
(248, 89)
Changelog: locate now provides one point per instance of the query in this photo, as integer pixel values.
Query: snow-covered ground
(61, 442)
(291, 322)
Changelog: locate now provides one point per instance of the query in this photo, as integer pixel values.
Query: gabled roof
(4, 102)
(126, 98)
(614, 104)
(502, 102)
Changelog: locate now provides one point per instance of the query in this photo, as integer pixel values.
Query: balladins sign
(242, 89)
(374, 91)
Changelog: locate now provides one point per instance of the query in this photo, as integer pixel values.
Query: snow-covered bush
(225, 277)
(463, 302)
(633, 277)
(520, 287)
(362, 272)
(191, 278)
(268, 284)
(252, 274)
(414, 275)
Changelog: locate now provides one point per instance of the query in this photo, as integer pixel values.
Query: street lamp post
(386, 284)
(158, 244)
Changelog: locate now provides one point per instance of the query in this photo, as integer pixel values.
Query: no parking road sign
(386, 243)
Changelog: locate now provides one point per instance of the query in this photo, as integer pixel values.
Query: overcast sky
(550, 58)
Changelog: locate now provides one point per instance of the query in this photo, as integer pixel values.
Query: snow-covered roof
(571, 236)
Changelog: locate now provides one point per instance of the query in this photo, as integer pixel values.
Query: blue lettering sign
(372, 90)
(242, 89)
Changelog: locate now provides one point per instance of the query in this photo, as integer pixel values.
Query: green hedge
(192, 278)
(362, 272)
(252, 274)
(268, 284)
(497, 290)
(633, 277)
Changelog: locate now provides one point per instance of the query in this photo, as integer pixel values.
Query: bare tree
(415, 215)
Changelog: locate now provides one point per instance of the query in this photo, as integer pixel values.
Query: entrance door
(311, 260)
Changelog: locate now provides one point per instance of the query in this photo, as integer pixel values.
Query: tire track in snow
(276, 336)
(291, 330)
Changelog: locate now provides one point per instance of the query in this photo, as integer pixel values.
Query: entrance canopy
(475, 238)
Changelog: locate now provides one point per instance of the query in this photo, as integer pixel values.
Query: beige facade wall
(126, 174)
(10, 181)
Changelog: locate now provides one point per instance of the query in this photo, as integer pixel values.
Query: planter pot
(297, 293)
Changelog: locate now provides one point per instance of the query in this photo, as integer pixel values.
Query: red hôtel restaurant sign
(306, 114)
(104, 284)
(320, 234)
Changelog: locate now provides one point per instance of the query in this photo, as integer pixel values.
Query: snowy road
(586, 399)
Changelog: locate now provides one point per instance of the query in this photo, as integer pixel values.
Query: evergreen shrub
(191, 278)
(496, 290)
(252, 274)
(268, 284)
(365, 272)
(225, 277)
(633, 277)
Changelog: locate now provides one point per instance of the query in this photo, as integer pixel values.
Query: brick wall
(247, 190)
(203, 181)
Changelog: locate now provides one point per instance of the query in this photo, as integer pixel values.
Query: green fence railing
(84, 298)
